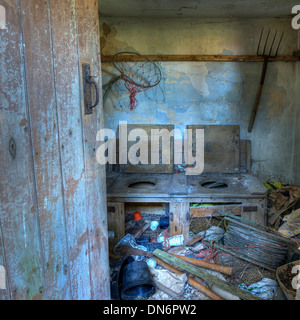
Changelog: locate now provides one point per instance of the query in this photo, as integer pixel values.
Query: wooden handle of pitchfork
(260, 87)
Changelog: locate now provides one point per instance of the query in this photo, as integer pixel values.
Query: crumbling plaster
(212, 92)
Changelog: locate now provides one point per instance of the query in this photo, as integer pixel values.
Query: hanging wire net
(138, 73)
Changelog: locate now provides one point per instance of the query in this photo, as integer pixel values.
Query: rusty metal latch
(87, 89)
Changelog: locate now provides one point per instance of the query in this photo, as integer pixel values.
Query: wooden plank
(207, 277)
(200, 188)
(192, 199)
(142, 185)
(67, 87)
(207, 265)
(207, 211)
(245, 155)
(145, 208)
(89, 51)
(254, 213)
(4, 284)
(116, 219)
(180, 219)
(46, 146)
(33, 220)
(150, 168)
(221, 147)
(215, 58)
(18, 205)
(141, 230)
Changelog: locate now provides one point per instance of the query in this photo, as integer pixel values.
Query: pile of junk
(230, 258)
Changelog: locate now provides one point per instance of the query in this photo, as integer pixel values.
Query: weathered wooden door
(53, 220)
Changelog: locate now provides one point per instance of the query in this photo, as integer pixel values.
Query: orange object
(137, 216)
(200, 287)
(205, 264)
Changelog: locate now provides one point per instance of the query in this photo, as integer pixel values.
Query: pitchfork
(266, 55)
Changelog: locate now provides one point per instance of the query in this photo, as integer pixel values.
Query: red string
(133, 100)
(136, 73)
(206, 255)
(166, 243)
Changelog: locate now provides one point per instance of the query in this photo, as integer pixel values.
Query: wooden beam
(245, 155)
(95, 176)
(47, 162)
(207, 265)
(64, 27)
(116, 219)
(180, 219)
(203, 58)
(199, 212)
(20, 249)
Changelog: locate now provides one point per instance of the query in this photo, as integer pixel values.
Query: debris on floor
(225, 258)
(281, 201)
(264, 248)
(169, 284)
(265, 288)
(291, 224)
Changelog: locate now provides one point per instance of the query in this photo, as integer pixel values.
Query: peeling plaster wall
(211, 92)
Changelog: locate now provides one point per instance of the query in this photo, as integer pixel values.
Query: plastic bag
(175, 282)
(213, 234)
(264, 289)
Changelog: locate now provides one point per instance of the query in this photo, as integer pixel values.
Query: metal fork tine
(272, 43)
(262, 31)
(266, 42)
(279, 44)
(263, 74)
